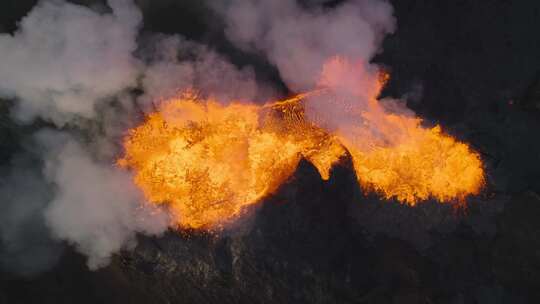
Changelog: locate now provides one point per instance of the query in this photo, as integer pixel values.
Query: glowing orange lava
(392, 153)
(207, 161)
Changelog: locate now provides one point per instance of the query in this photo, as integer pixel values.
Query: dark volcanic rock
(293, 249)
(516, 252)
(304, 245)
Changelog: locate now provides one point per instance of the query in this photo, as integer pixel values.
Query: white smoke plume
(65, 59)
(299, 40)
(64, 65)
(96, 206)
(175, 64)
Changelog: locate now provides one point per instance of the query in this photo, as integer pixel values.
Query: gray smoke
(175, 64)
(64, 65)
(65, 59)
(96, 207)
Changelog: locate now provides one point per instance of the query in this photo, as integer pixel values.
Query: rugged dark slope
(305, 245)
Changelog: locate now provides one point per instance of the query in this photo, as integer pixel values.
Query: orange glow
(428, 164)
(392, 153)
(207, 161)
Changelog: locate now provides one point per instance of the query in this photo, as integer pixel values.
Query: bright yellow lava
(207, 161)
(429, 164)
(393, 154)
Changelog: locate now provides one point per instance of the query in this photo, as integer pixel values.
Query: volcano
(159, 152)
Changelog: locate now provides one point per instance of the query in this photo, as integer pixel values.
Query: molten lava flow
(392, 153)
(208, 161)
(427, 164)
(322, 149)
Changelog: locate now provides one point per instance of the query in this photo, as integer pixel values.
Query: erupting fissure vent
(207, 161)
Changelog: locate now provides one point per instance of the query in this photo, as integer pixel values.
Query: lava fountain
(207, 161)
(393, 154)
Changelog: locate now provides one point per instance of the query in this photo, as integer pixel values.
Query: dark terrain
(475, 69)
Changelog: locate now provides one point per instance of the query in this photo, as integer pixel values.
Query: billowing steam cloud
(96, 206)
(63, 64)
(73, 67)
(299, 40)
(65, 59)
(174, 64)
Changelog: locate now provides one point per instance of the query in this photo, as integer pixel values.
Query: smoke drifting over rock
(63, 65)
(74, 67)
(96, 206)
